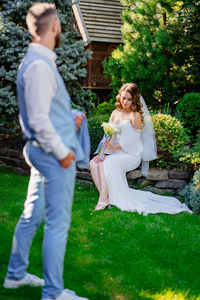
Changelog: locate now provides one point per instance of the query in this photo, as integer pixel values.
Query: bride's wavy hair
(136, 105)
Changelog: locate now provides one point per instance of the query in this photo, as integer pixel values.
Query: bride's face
(126, 100)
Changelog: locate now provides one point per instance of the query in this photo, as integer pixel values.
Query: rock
(24, 165)
(2, 164)
(83, 175)
(159, 191)
(81, 180)
(11, 153)
(156, 174)
(21, 171)
(171, 184)
(134, 174)
(144, 182)
(86, 169)
(178, 174)
(15, 162)
(11, 161)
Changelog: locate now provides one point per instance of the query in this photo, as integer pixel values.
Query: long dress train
(117, 163)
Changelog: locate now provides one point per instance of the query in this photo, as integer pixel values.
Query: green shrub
(191, 156)
(95, 130)
(94, 99)
(170, 137)
(104, 108)
(14, 39)
(191, 193)
(189, 112)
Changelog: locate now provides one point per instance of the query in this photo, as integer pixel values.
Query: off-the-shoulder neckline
(129, 123)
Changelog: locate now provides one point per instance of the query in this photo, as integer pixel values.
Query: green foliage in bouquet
(191, 193)
(189, 111)
(14, 39)
(96, 130)
(170, 137)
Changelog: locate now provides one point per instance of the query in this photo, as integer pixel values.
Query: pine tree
(14, 40)
(153, 55)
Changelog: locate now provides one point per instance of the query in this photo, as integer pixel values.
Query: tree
(153, 54)
(14, 40)
(187, 26)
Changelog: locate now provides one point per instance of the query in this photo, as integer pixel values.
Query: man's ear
(55, 25)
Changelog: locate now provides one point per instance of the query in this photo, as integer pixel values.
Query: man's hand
(78, 120)
(67, 161)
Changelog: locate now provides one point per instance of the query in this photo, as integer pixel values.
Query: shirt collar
(43, 51)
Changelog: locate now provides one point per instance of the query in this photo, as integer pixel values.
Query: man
(51, 150)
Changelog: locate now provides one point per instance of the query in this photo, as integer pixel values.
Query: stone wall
(158, 181)
(14, 159)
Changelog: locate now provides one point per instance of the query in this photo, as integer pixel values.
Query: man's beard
(57, 40)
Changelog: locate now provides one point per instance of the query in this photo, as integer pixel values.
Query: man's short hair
(39, 17)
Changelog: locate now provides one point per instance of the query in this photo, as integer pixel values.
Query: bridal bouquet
(109, 129)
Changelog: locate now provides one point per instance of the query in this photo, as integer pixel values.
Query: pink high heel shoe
(103, 204)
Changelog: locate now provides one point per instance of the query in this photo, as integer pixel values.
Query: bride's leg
(94, 169)
(97, 173)
(104, 185)
(103, 197)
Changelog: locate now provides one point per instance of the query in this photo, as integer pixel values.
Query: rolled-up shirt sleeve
(40, 88)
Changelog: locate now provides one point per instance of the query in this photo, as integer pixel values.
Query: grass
(111, 255)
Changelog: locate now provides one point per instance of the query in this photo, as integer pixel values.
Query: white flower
(109, 128)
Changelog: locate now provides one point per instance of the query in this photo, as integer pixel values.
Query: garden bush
(170, 137)
(189, 112)
(105, 108)
(95, 130)
(169, 133)
(191, 193)
(14, 39)
(191, 156)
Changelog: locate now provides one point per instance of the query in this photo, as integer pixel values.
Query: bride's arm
(112, 147)
(107, 143)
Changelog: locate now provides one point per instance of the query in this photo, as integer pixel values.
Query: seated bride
(132, 144)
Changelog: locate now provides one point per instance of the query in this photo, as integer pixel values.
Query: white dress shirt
(40, 88)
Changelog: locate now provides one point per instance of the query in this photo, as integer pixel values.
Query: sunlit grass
(111, 255)
(168, 295)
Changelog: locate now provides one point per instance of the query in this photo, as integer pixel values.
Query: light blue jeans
(49, 198)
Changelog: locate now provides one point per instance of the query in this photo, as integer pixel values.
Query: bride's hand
(97, 159)
(108, 145)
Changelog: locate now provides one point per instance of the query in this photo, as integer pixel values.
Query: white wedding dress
(117, 163)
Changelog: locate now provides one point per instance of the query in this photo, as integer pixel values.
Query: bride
(132, 144)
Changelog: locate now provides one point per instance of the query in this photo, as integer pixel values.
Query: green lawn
(111, 254)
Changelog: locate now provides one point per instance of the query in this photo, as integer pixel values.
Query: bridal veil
(148, 139)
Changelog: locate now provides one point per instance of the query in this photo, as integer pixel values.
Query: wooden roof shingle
(99, 20)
